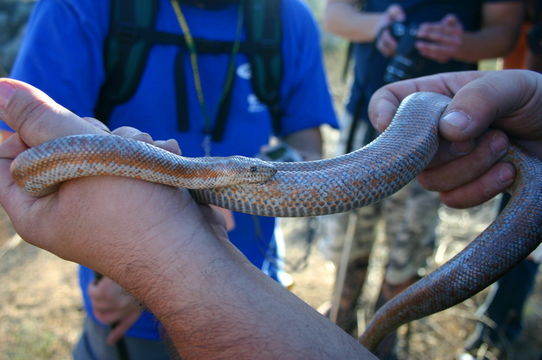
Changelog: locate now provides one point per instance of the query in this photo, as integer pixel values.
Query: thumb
(396, 13)
(450, 20)
(35, 116)
(494, 99)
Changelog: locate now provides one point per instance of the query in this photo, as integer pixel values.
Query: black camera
(407, 62)
(534, 38)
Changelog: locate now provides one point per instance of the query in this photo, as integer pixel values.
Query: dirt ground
(41, 313)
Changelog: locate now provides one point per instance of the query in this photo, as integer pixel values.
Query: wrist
(164, 270)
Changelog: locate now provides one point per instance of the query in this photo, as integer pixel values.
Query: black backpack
(132, 34)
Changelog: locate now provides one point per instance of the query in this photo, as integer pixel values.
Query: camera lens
(406, 62)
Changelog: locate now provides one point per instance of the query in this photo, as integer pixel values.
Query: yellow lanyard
(195, 68)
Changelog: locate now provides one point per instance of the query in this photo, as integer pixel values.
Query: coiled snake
(317, 188)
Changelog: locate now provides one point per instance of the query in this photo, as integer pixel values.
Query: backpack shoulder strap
(125, 53)
(264, 34)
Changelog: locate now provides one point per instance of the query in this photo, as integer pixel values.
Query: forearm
(497, 36)
(225, 308)
(307, 142)
(483, 44)
(343, 18)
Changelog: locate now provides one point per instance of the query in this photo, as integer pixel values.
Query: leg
(351, 266)
(503, 309)
(349, 288)
(411, 217)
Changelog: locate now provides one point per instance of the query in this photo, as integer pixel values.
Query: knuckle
(29, 113)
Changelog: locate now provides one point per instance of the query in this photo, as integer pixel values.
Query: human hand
(112, 225)
(111, 304)
(488, 110)
(440, 41)
(385, 42)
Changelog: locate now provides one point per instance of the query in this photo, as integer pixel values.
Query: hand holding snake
(398, 155)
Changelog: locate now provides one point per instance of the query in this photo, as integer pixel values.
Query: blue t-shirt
(370, 64)
(63, 55)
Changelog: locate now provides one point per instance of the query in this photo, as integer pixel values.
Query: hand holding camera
(386, 43)
(440, 41)
(411, 44)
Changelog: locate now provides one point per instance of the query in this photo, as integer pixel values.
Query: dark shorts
(92, 346)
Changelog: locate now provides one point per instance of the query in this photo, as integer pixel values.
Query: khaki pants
(410, 217)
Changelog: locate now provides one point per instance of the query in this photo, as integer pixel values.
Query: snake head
(250, 170)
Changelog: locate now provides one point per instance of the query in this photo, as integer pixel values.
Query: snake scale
(320, 187)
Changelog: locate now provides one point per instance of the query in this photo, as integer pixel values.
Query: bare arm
(343, 18)
(162, 247)
(307, 142)
(498, 35)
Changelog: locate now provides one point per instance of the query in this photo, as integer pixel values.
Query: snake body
(318, 188)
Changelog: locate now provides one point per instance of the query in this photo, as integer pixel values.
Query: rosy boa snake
(317, 188)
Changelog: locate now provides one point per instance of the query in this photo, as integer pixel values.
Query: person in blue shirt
(63, 55)
(438, 36)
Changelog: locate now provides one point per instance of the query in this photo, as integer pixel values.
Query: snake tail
(515, 233)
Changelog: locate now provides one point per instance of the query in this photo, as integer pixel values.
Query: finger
(425, 29)
(103, 306)
(104, 292)
(12, 197)
(450, 38)
(448, 151)
(395, 13)
(386, 100)
(491, 147)
(96, 294)
(440, 45)
(449, 24)
(12, 146)
(97, 123)
(440, 52)
(386, 43)
(451, 20)
(492, 183)
(439, 38)
(35, 116)
(122, 327)
(107, 316)
(170, 145)
(493, 98)
(133, 133)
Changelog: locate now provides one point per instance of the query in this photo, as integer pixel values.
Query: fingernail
(457, 119)
(498, 145)
(505, 175)
(377, 123)
(6, 93)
